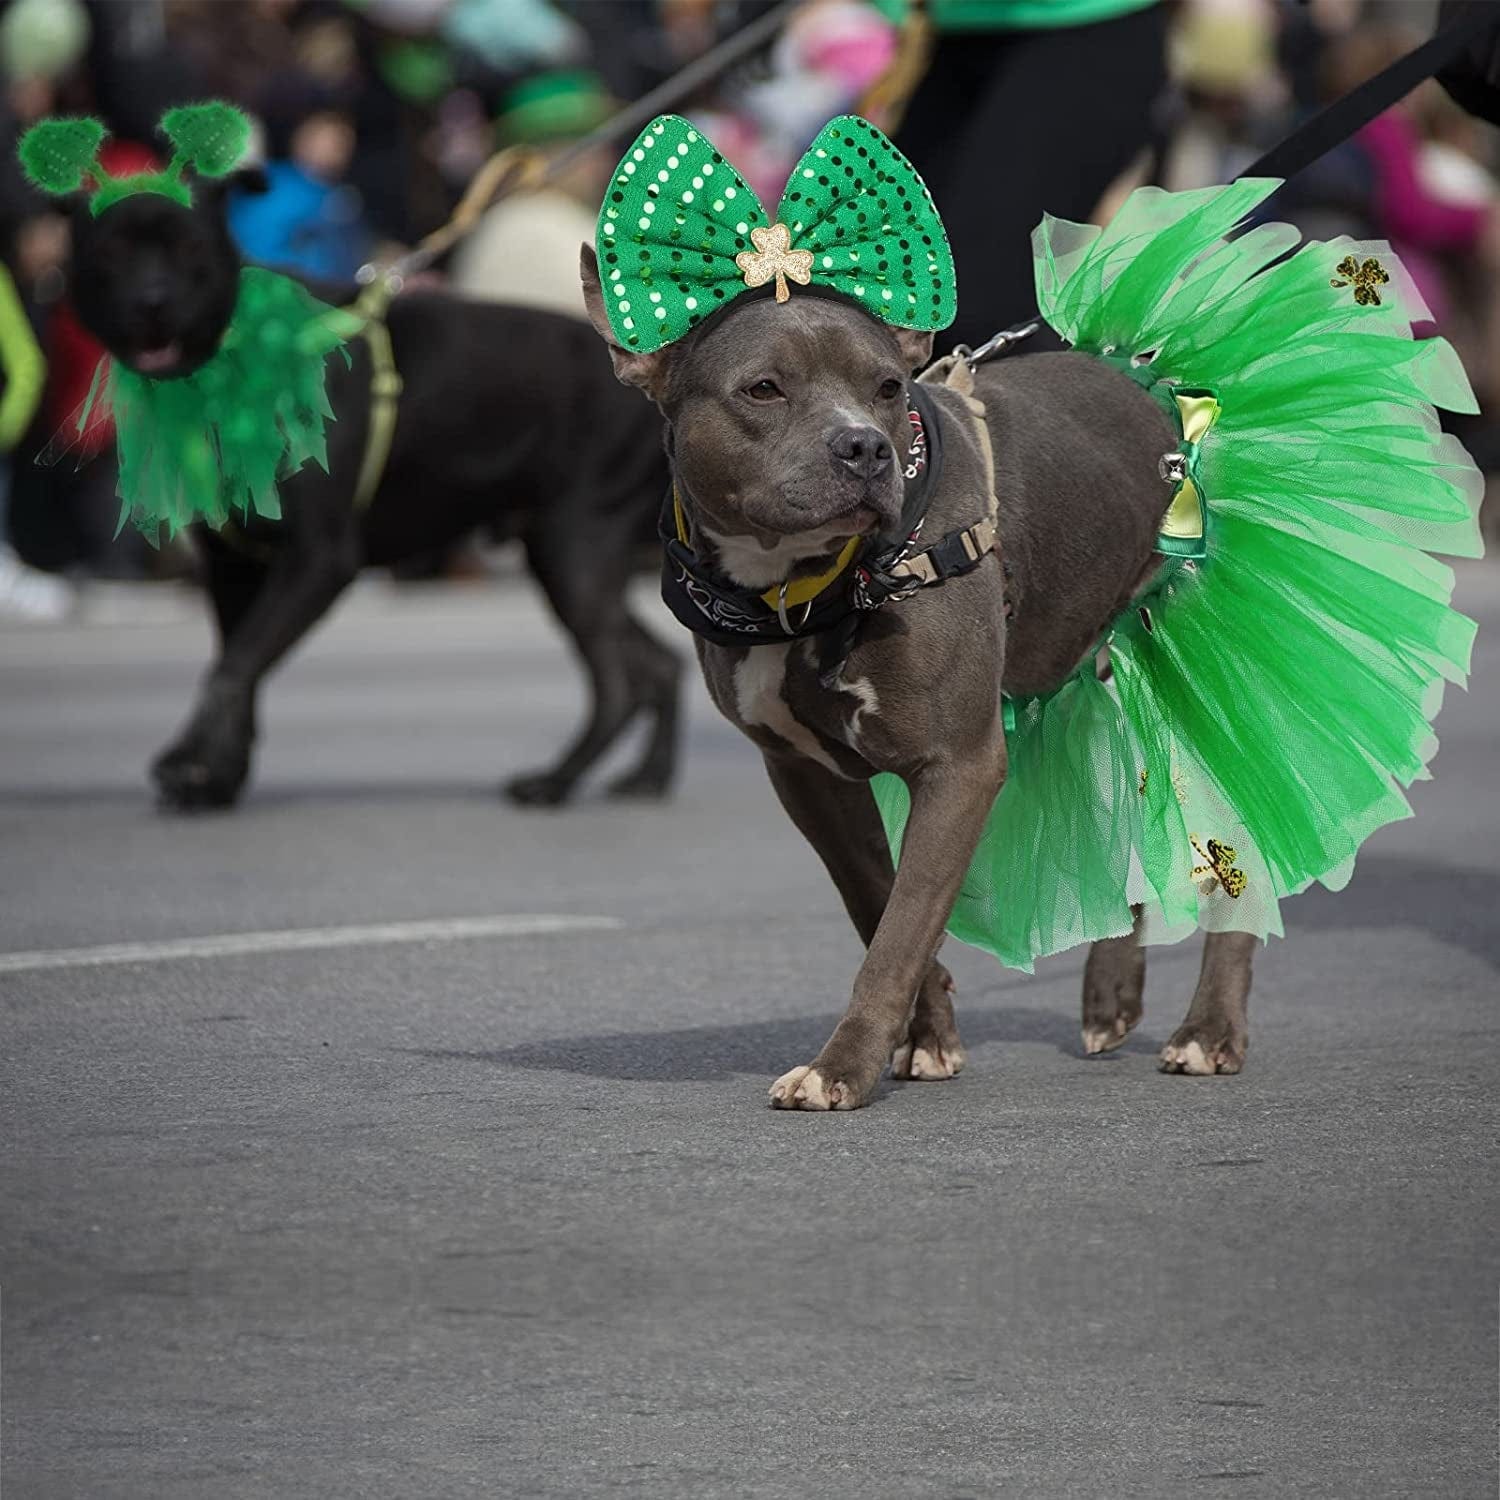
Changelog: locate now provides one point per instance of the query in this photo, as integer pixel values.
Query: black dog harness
(867, 574)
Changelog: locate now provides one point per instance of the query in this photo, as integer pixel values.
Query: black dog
(509, 419)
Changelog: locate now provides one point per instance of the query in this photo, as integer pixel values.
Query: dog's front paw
(644, 783)
(192, 775)
(807, 1088)
(1204, 1048)
(931, 1049)
(928, 1063)
(539, 789)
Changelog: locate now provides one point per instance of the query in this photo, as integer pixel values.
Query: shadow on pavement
(1457, 906)
(1454, 905)
(709, 1054)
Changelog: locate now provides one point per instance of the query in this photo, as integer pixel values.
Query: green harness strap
(385, 392)
(385, 389)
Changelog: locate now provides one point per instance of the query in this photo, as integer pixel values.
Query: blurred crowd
(373, 115)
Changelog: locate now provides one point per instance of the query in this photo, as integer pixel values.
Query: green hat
(554, 106)
(680, 235)
(60, 156)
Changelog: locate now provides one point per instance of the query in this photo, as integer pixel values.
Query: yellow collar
(793, 593)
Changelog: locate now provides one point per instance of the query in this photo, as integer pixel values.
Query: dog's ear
(916, 347)
(646, 371)
(250, 178)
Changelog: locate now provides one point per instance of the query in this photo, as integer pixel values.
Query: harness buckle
(950, 556)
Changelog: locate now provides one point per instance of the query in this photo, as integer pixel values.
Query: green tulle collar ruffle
(212, 446)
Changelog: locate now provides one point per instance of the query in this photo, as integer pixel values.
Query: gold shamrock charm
(773, 256)
(1364, 278)
(1218, 865)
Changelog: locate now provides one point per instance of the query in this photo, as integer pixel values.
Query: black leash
(1345, 117)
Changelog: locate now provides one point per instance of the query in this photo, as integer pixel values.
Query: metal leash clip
(1000, 344)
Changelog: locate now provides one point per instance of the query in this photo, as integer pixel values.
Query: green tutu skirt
(1270, 697)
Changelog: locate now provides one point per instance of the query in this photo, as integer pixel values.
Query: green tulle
(213, 446)
(1283, 694)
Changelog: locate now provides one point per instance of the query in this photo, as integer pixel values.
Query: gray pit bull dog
(788, 429)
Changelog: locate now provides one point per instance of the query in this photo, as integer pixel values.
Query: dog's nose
(152, 300)
(865, 450)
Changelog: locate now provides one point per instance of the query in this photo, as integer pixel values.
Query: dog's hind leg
(1215, 1033)
(949, 803)
(1114, 979)
(583, 575)
(655, 676)
(838, 818)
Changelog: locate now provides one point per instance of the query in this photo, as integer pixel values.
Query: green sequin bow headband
(680, 235)
(60, 156)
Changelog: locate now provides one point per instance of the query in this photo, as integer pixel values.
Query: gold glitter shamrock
(773, 256)
(1219, 865)
(1364, 278)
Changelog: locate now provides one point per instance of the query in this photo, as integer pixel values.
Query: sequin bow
(680, 234)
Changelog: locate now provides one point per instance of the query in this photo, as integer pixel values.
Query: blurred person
(41, 42)
(75, 514)
(1234, 94)
(1027, 107)
(26, 593)
(310, 219)
(525, 249)
(62, 516)
(514, 36)
(821, 65)
(628, 45)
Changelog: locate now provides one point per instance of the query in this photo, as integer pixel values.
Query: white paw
(805, 1088)
(1098, 1039)
(1193, 1057)
(926, 1064)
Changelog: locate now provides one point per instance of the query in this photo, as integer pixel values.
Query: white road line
(300, 939)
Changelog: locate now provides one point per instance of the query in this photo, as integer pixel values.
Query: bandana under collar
(867, 574)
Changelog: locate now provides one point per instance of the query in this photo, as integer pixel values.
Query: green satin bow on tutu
(680, 234)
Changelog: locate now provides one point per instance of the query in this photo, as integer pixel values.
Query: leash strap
(1345, 117)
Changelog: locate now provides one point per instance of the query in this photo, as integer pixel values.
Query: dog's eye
(890, 389)
(765, 390)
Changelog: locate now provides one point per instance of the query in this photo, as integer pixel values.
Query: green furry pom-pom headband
(61, 156)
(680, 234)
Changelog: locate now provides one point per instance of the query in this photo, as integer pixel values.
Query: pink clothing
(1421, 227)
(1408, 211)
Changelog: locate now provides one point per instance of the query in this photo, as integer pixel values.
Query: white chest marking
(869, 703)
(756, 567)
(759, 697)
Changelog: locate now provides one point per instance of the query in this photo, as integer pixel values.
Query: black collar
(729, 614)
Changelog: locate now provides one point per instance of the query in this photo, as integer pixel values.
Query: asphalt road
(502, 1212)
